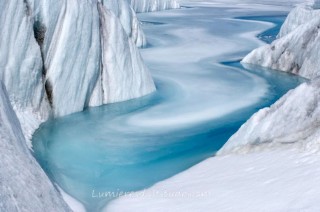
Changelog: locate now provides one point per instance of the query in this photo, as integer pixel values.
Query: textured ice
(51, 59)
(294, 119)
(297, 49)
(302, 14)
(128, 19)
(153, 5)
(24, 186)
(119, 54)
(21, 65)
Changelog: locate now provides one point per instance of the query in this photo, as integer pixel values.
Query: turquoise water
(119, 147)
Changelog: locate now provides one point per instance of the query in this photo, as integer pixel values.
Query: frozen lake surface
(203, 96)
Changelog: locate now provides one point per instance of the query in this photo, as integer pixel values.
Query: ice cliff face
(23, 185)
(141, 6)
(128, 19)
(59, 57)
(294, 119)
(119, 54)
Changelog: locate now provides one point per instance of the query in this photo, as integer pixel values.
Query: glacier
(141, 6)
(22, 179)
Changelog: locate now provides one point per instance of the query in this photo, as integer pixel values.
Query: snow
(282, 180)
(23, 185)
(297, 49)
(153, 5)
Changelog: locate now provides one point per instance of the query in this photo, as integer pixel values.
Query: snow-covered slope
(297, 49)
(272, 181)
(153, 5)
(23, 185)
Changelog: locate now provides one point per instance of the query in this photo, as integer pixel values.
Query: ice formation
(297, 49)
(153, 5)
(22, 180)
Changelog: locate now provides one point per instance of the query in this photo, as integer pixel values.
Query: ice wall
(21, 65)
(153, 5)
(119, 54)
(128, 19)
(57, 56)
(297, 49)
(23, 185)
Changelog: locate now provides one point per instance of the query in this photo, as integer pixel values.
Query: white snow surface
(141, 6)
(282, 180)
(297, 49)
(23, 184)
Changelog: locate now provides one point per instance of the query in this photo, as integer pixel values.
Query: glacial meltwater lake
(203, 96)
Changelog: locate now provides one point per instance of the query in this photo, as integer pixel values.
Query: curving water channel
(203, 96)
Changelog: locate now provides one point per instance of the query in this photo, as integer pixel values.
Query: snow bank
(297, 49)
(23, 185)
(267, 181)
(141, 6)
